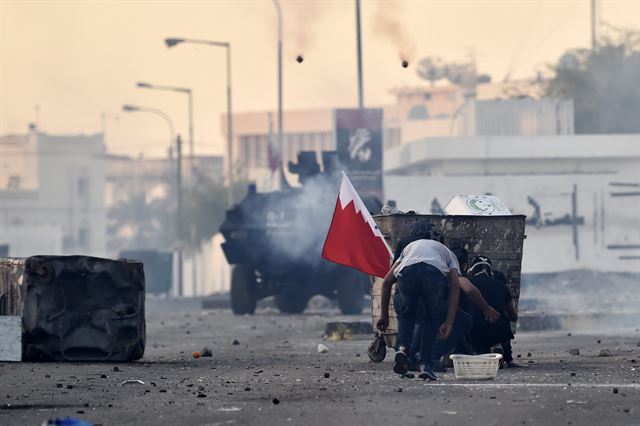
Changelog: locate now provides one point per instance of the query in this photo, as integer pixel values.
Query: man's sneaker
(401, 363)
(426, 373)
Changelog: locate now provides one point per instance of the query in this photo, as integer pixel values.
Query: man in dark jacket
(483, 333)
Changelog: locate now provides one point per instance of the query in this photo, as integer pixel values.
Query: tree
(604, 84)
(206, 204)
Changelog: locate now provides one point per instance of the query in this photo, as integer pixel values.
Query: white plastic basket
(483, 366)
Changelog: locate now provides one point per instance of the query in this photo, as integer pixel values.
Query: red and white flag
(354, 239)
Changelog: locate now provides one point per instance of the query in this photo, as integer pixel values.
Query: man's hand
(444, 331)
(491, 314)
(383, 323)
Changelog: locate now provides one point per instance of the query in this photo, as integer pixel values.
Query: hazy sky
(76, 59)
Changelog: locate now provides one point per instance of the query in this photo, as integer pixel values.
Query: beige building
(418, 112)
(52, 194)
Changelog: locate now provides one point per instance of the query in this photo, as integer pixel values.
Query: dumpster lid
(476, 205)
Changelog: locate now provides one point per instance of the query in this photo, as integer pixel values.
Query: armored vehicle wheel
(243, 290)
(377, 349)
(351, 294)
(292, 301)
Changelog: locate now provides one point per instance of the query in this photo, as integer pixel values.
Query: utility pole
(359, 48)
(276, 3)
(179, 218)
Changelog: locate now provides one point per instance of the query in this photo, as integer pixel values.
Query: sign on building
(359, 146)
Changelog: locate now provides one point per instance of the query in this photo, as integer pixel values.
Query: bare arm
(454, 296)
(511, 312)
(389, 279)
(472, 292)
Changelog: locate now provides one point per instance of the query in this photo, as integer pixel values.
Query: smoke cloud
(388, 25)
(300, 19)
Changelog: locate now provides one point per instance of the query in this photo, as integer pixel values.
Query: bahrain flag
(354, 239)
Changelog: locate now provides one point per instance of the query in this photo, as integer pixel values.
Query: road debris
(605, 353)
(574, 351)
(206, 352)
(336, 331)
(322, 349)
(132, 382)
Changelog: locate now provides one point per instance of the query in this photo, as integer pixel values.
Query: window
(83, 238)
(14, 183)
(418, 112)
(83, 187)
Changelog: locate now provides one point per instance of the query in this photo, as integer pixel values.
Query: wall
(609, 220)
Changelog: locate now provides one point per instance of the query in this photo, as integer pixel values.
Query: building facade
(580, 193)
(52, 194)
(418, 112)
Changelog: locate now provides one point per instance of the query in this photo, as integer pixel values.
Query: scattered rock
(335, 331)
(116, 368)
(574, 351)
(58, 385)
(326, 375)
(206, 352)
(399, 390)
(322, 349)
(615, 390)
(573, 374)
(275, 401)
(408, 376)
(69, 386)
(132, 382)
(247, 389)
(605, 353)
(103, 376)
(528, 354)
(569, 334)
(235, 343)
(201, 395)
(599, 341)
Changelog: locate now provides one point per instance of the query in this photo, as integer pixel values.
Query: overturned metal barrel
(76, 308)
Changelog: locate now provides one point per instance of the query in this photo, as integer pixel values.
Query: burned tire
(350, 291)
(243, 290)
(292, 301)
(377, 349)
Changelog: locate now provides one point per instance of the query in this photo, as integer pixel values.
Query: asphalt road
(274, 375)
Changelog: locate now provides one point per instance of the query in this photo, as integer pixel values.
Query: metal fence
(524, 117)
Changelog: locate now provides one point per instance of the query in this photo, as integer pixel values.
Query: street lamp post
(359, 55)
(276, 3)
(171, 42)
(167, 119)
(189, 92)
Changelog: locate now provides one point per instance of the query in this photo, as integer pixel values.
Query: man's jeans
(461, 326)
(420, 287)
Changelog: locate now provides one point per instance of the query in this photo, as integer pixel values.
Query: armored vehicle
(274, 242)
